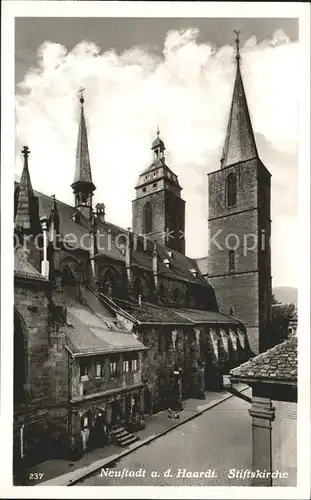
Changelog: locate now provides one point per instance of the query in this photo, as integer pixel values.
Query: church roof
(180, 264)
(278, 364)
(151, 313)
(93, 332)
(240, 143)
(83, 171)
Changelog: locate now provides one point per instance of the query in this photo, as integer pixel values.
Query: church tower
(239, 260)
(82, 185)
(158, 210)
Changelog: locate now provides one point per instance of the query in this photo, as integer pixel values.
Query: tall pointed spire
(83, 166)
(25, 197)
(82, 185)
(240, 142)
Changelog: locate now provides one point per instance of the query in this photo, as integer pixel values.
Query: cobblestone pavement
(216, 441)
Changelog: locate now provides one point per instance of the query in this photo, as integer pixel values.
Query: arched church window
(231, 188)
(147, 215)
(138, 287)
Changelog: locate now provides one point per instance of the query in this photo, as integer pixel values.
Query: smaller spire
(83, 172)
(158, 146)
(25, 199)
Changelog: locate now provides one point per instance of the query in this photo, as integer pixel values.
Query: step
(129, 440)
(120, 434)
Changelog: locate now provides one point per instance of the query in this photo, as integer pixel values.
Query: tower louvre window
(231, 261)
(231, 190)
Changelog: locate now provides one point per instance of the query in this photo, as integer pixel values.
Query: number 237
(36, 475)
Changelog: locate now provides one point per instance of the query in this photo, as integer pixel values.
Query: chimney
(101, 212)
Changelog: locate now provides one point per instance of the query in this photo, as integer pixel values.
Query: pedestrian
(169, 411)
(176, 415)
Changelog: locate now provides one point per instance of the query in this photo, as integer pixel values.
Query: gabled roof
(149, 313)
(278, 364)
(240, 142)
(180, 264)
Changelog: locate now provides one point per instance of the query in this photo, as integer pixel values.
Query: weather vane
(81, 90)
(158, 131)
(237, 41)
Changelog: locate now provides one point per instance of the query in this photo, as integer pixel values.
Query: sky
(177, 74)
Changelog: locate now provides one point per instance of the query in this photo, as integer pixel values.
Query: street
(211, 444)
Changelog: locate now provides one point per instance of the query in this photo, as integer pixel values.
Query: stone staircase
(122, 437)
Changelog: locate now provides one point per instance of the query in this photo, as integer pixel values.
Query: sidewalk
(65, 473)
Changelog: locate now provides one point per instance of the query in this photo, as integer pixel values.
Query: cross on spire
(26, 151)
(81, 90)
(237, 42)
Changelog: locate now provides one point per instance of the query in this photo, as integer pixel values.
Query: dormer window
(170, 254)
(166, 262)
(154, 185)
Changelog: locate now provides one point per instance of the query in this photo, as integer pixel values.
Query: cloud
(187, 92)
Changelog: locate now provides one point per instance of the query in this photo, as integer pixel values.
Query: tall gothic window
(147, 218)
(231, 190)
(20, 362)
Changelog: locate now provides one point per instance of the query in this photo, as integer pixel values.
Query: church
(113, 324)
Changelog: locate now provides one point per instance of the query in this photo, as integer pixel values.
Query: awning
(241, 338)
(234, 340)
(214, 340)
(225, 340)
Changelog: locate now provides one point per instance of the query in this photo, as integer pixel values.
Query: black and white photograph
(155, 184)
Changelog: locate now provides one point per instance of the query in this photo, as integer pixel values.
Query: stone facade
(244, 229)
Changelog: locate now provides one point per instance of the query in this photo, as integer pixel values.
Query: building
(115, 324)
(272, 375)
(239, 260)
